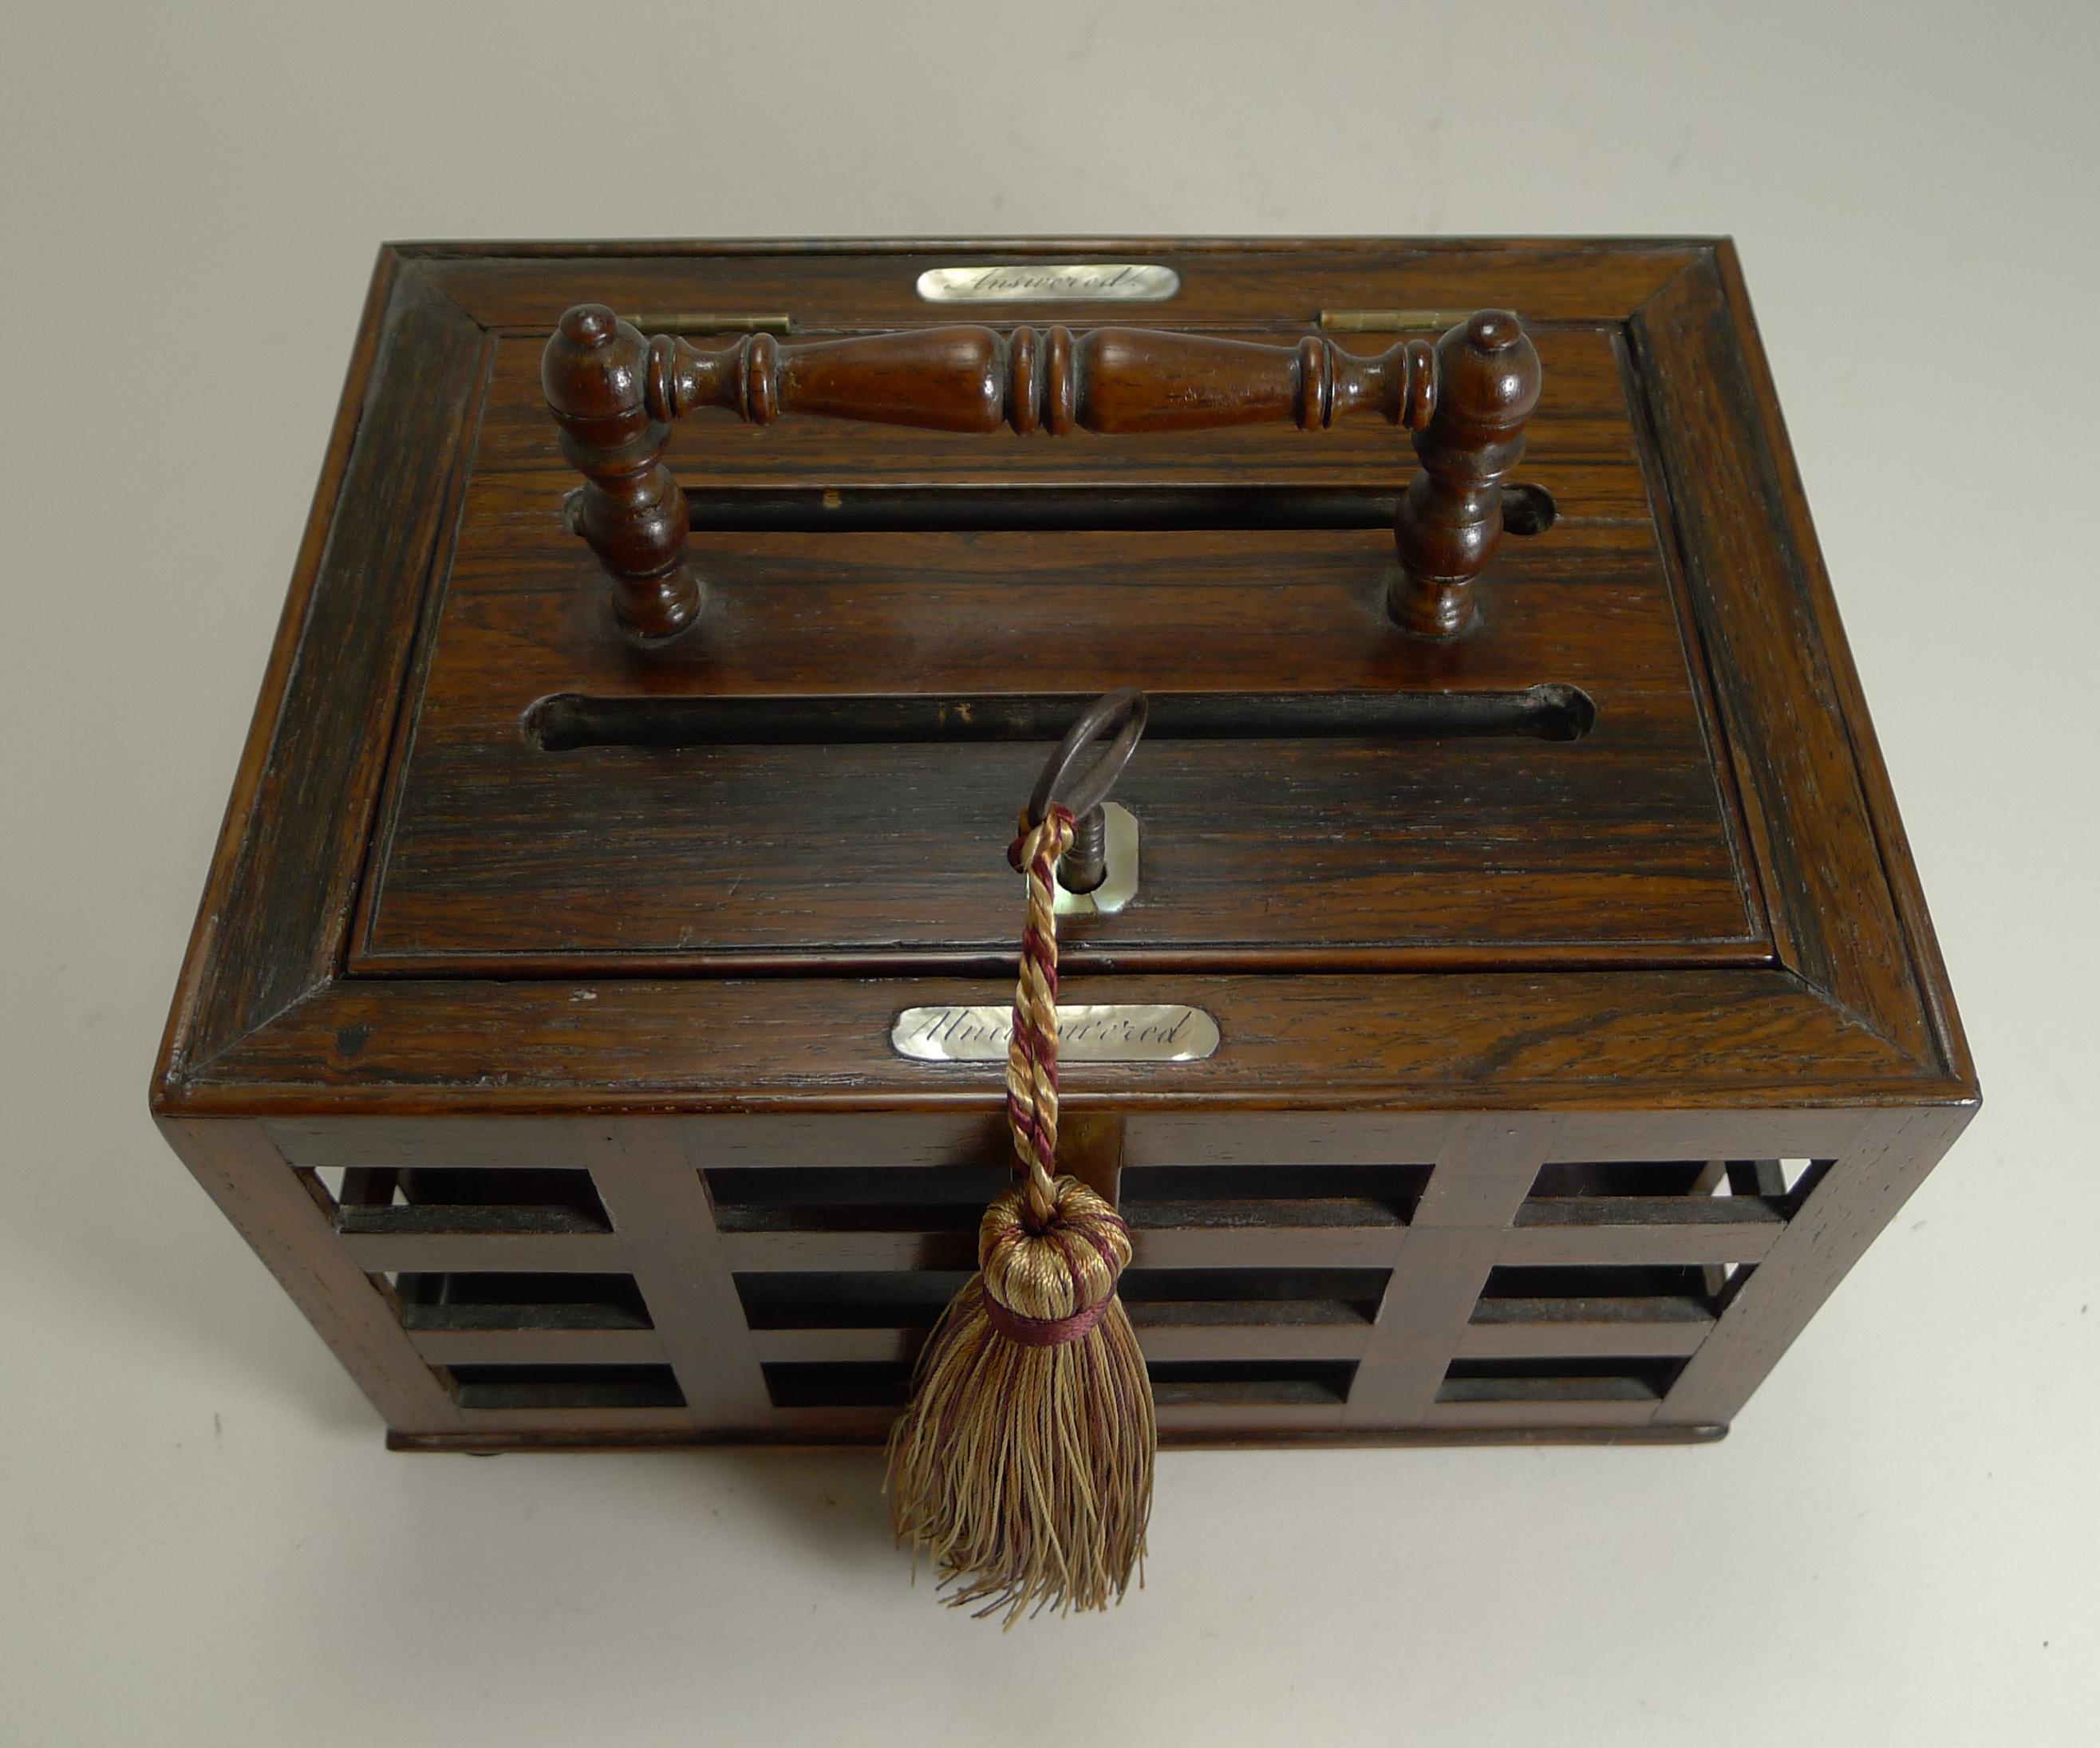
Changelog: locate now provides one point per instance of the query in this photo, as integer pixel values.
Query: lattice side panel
(551, 1277)
(1254, 1288)
(1611, 1274)
(526, 1280)
(1838, 1207)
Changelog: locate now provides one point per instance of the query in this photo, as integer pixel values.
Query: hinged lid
(1544, 789)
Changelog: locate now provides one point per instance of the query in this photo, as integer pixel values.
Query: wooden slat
(936, 1136)
(575, 1313)
(932, 1136)
(447, 1143)
(1639, 1133)
(1219, 1214)
(848, 1252)
(845, 1426)
(876, 1219)
(461, 1219)
(1189, 1247)
(480, 1252)
(1165, 1343)
(1159, 1342)
(539, 1347)
(1628, 1230)
(1582, 1328)
(892, 1345)
(1180, 1429)
(1697, 1210)
(1547, 1389)
(658, 1200)
(1243, 1394)
(575, 1426)
(1483, 1170)
(1267, 1247)
(1757, 1177)
(1179, 1422)
(1560, 1410)
(1186, 1420)
(1332, 1137)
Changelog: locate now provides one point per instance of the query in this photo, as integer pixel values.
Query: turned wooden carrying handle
(1466, 399)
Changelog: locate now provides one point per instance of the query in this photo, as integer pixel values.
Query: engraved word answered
(1050, 282)
(1100, 1032)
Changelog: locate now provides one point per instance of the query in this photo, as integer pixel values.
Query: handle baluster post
(633, 510)
(1450, 517)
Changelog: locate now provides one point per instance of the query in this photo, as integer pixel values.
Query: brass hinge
(1390, 321)
(710, 321)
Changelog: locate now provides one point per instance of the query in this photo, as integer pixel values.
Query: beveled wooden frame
(1846, 1050)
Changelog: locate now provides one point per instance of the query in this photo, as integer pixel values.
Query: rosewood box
(1503, 1007)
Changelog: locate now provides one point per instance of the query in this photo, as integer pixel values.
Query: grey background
(202, 1538)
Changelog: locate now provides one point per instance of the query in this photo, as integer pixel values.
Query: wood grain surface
(1619, 845)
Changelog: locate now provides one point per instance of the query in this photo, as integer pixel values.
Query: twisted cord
(1023, 1465)
(1031, 1056)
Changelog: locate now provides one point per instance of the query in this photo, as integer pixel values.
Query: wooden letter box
(1540, 1013)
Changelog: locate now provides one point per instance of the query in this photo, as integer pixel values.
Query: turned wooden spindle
(1466, 400)
(1450, 519)
(1118, 380)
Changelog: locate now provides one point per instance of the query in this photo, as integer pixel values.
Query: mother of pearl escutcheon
(1115, 1031)
(1050, 282)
